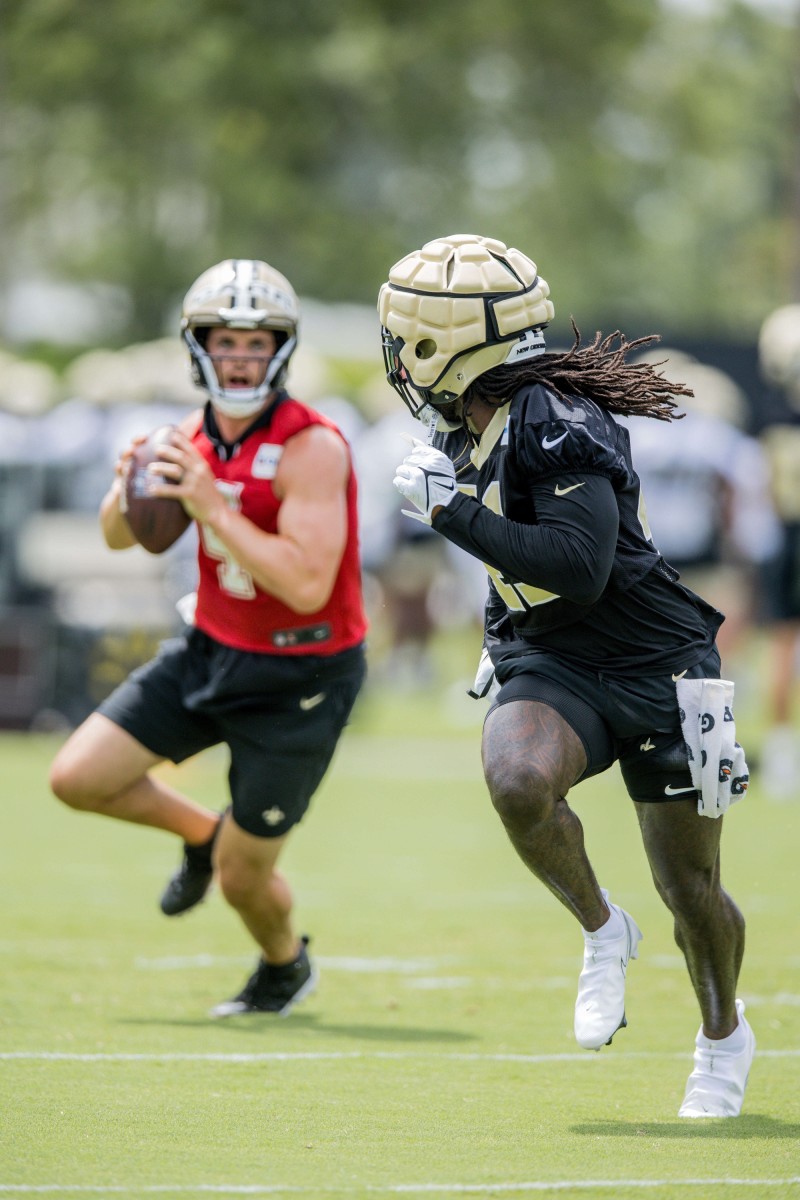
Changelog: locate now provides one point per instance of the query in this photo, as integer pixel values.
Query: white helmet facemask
(238, 402)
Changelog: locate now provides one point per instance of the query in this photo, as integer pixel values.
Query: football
(155, 521)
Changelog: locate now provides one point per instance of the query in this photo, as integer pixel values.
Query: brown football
(155, 521)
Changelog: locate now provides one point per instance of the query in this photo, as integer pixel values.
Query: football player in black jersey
(589, 632)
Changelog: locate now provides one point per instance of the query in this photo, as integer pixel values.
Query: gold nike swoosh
(563, 491)
(309, 702)
(675, 678)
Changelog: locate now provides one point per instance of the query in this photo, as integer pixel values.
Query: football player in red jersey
(599, 654)
(274, 657)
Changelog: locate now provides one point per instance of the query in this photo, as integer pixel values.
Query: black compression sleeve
(569, 552)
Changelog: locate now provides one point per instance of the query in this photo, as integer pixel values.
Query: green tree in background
(644, 153)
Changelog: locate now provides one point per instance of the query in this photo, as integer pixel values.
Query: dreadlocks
(599, 372)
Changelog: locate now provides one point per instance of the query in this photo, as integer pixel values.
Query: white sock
(613, 928)
(733, 1043)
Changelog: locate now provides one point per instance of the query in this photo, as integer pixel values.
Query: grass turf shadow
(751, 1125)
(250, 1022)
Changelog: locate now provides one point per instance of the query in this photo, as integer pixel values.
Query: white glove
(427, 478)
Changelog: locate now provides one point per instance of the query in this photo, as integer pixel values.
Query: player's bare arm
(115, 529)
(298, 565)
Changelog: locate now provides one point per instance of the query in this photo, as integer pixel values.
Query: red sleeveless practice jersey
(231, 607)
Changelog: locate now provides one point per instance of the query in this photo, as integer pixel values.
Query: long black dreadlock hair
(599, 371)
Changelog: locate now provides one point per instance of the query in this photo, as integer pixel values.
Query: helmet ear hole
(426, 348)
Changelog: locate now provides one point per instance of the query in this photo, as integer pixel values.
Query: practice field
(437, 1057)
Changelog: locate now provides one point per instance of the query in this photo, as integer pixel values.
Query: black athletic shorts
(633, 721)
(781, 578)
(280, 716)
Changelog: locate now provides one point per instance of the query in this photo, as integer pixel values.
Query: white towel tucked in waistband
(716, 760)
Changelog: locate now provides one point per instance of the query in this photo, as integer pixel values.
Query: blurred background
(646, 154)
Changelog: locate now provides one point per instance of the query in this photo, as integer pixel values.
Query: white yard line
(426, 967)
(369, 966)
(393, 1189)
(323, 1056)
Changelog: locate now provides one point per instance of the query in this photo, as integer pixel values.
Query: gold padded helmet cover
(456, 304)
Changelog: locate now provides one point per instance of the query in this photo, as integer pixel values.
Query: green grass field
(437, 1057)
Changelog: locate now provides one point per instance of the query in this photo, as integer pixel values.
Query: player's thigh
(241, 854)
(100, 758)
(528, 743)
(153, 707)
(540, 723)
(682, 847)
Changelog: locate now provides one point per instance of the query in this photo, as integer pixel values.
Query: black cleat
(272, 989)
(192, 879)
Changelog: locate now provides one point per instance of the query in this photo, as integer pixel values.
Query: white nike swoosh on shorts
(559, 491)
(675, 678)
(308, 702)
(669, 790)
(548, 443)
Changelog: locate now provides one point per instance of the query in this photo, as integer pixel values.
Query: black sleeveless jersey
(551, 504)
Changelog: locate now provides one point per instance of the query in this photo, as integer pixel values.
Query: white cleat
(600, 1006)
(717, 1083)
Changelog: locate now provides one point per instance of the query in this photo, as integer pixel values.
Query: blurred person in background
(274, 658)
(779, 359)
(28, 394)
(707, 486)
(402, 563)
(599, 655)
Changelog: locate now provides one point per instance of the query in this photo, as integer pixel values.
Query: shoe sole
(622, 1025)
